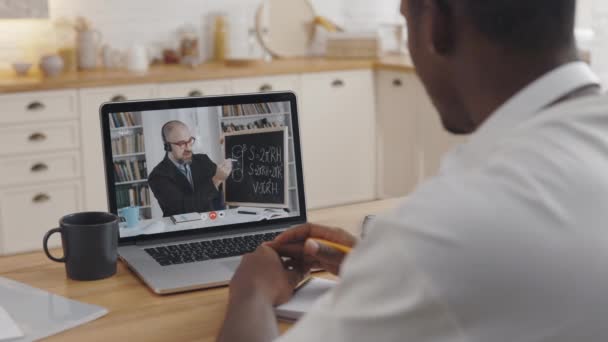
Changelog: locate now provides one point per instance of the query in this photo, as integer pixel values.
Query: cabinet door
(397, 109)
(29, 212)
(93, 164)
(434, 140)
(194, 89)
(339, 137)
(266, 84)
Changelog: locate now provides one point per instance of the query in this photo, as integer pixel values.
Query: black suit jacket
(175, 194)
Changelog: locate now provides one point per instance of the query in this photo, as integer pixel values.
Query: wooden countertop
(137, 314)
(10, 83)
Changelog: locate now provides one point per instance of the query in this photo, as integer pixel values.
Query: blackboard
(259, 168)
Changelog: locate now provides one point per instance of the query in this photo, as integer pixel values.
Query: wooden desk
(137, 314)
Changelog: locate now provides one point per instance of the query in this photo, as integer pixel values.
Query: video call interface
(193, 168)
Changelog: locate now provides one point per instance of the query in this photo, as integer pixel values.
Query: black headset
(167, 145)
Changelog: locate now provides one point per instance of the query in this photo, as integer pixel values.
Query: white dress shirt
(508, 243)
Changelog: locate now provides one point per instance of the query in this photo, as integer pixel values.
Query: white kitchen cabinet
(434, 141)
(338, 133)
(40, 166)
(92, 151)
(39, 106)
(29, 212)
(39, 137)
(266, 84)
(397, 120)
(194, 89)
(411, 139)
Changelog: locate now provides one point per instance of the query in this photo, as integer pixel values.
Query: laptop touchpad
(232, 263)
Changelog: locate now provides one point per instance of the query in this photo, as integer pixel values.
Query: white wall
(122, 22)
(155, 22)
(583, 13)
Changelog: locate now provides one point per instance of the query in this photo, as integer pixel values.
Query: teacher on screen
(185, 182)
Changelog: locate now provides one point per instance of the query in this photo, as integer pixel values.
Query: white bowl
(22, 68)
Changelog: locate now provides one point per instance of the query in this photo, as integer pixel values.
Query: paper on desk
(40, 314)
(304, 298)
(8, 327)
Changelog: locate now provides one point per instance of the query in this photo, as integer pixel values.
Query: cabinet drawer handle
(39, 167)
(397, 82)
(37, 137)
(337, 84)
(195, 93)
(265, 88)
(118, 98)
(41, 198)
(35, 106)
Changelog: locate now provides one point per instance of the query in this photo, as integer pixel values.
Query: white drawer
(39, 138)
(266, 84)
(38, 106)
(39, 168)
(188, 89)
(28, 213)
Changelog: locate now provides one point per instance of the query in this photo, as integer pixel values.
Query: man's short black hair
(519, 24)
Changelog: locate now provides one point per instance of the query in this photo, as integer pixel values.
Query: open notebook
(304, 298)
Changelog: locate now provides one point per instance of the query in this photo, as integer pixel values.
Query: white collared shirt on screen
(508, 243)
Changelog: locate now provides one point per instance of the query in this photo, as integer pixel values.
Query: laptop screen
(207, 166)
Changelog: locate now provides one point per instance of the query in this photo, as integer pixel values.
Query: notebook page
(304, 298)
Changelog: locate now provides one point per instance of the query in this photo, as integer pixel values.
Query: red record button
(213, 215)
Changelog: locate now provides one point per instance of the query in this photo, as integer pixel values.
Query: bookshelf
(250, 117)
(129, 157)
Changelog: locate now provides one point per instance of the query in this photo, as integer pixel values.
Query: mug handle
(46, 247)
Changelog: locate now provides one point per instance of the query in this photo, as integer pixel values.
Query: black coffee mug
(90, 242)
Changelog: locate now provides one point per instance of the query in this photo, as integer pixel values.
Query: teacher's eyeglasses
(183, 144)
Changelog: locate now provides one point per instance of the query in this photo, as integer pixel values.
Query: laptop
(199, 182)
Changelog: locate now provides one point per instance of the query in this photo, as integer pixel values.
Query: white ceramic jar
(51, 65)
(88, 43)
(137, 59)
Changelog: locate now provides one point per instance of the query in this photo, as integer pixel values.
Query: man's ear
(443, 30)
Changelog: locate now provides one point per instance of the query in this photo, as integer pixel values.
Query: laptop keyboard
(206, 250)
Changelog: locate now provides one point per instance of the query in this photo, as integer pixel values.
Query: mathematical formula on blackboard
(259, 168)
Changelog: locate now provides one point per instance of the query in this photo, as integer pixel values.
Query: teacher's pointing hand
(224, 170)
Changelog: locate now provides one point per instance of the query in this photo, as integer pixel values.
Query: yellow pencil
(303, 282)
(341, 248)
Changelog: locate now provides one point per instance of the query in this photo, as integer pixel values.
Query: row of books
(130, 170)
(127, 144)
(118, 120)
(252, 109)
(258, 124)
(133, 196)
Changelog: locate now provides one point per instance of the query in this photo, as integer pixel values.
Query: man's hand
(223, 170)
(263, 273)
(295, 244)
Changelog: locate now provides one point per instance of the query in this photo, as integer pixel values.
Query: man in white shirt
(509, 242)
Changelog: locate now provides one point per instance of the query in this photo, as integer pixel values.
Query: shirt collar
(180, 166)
(530, 100)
